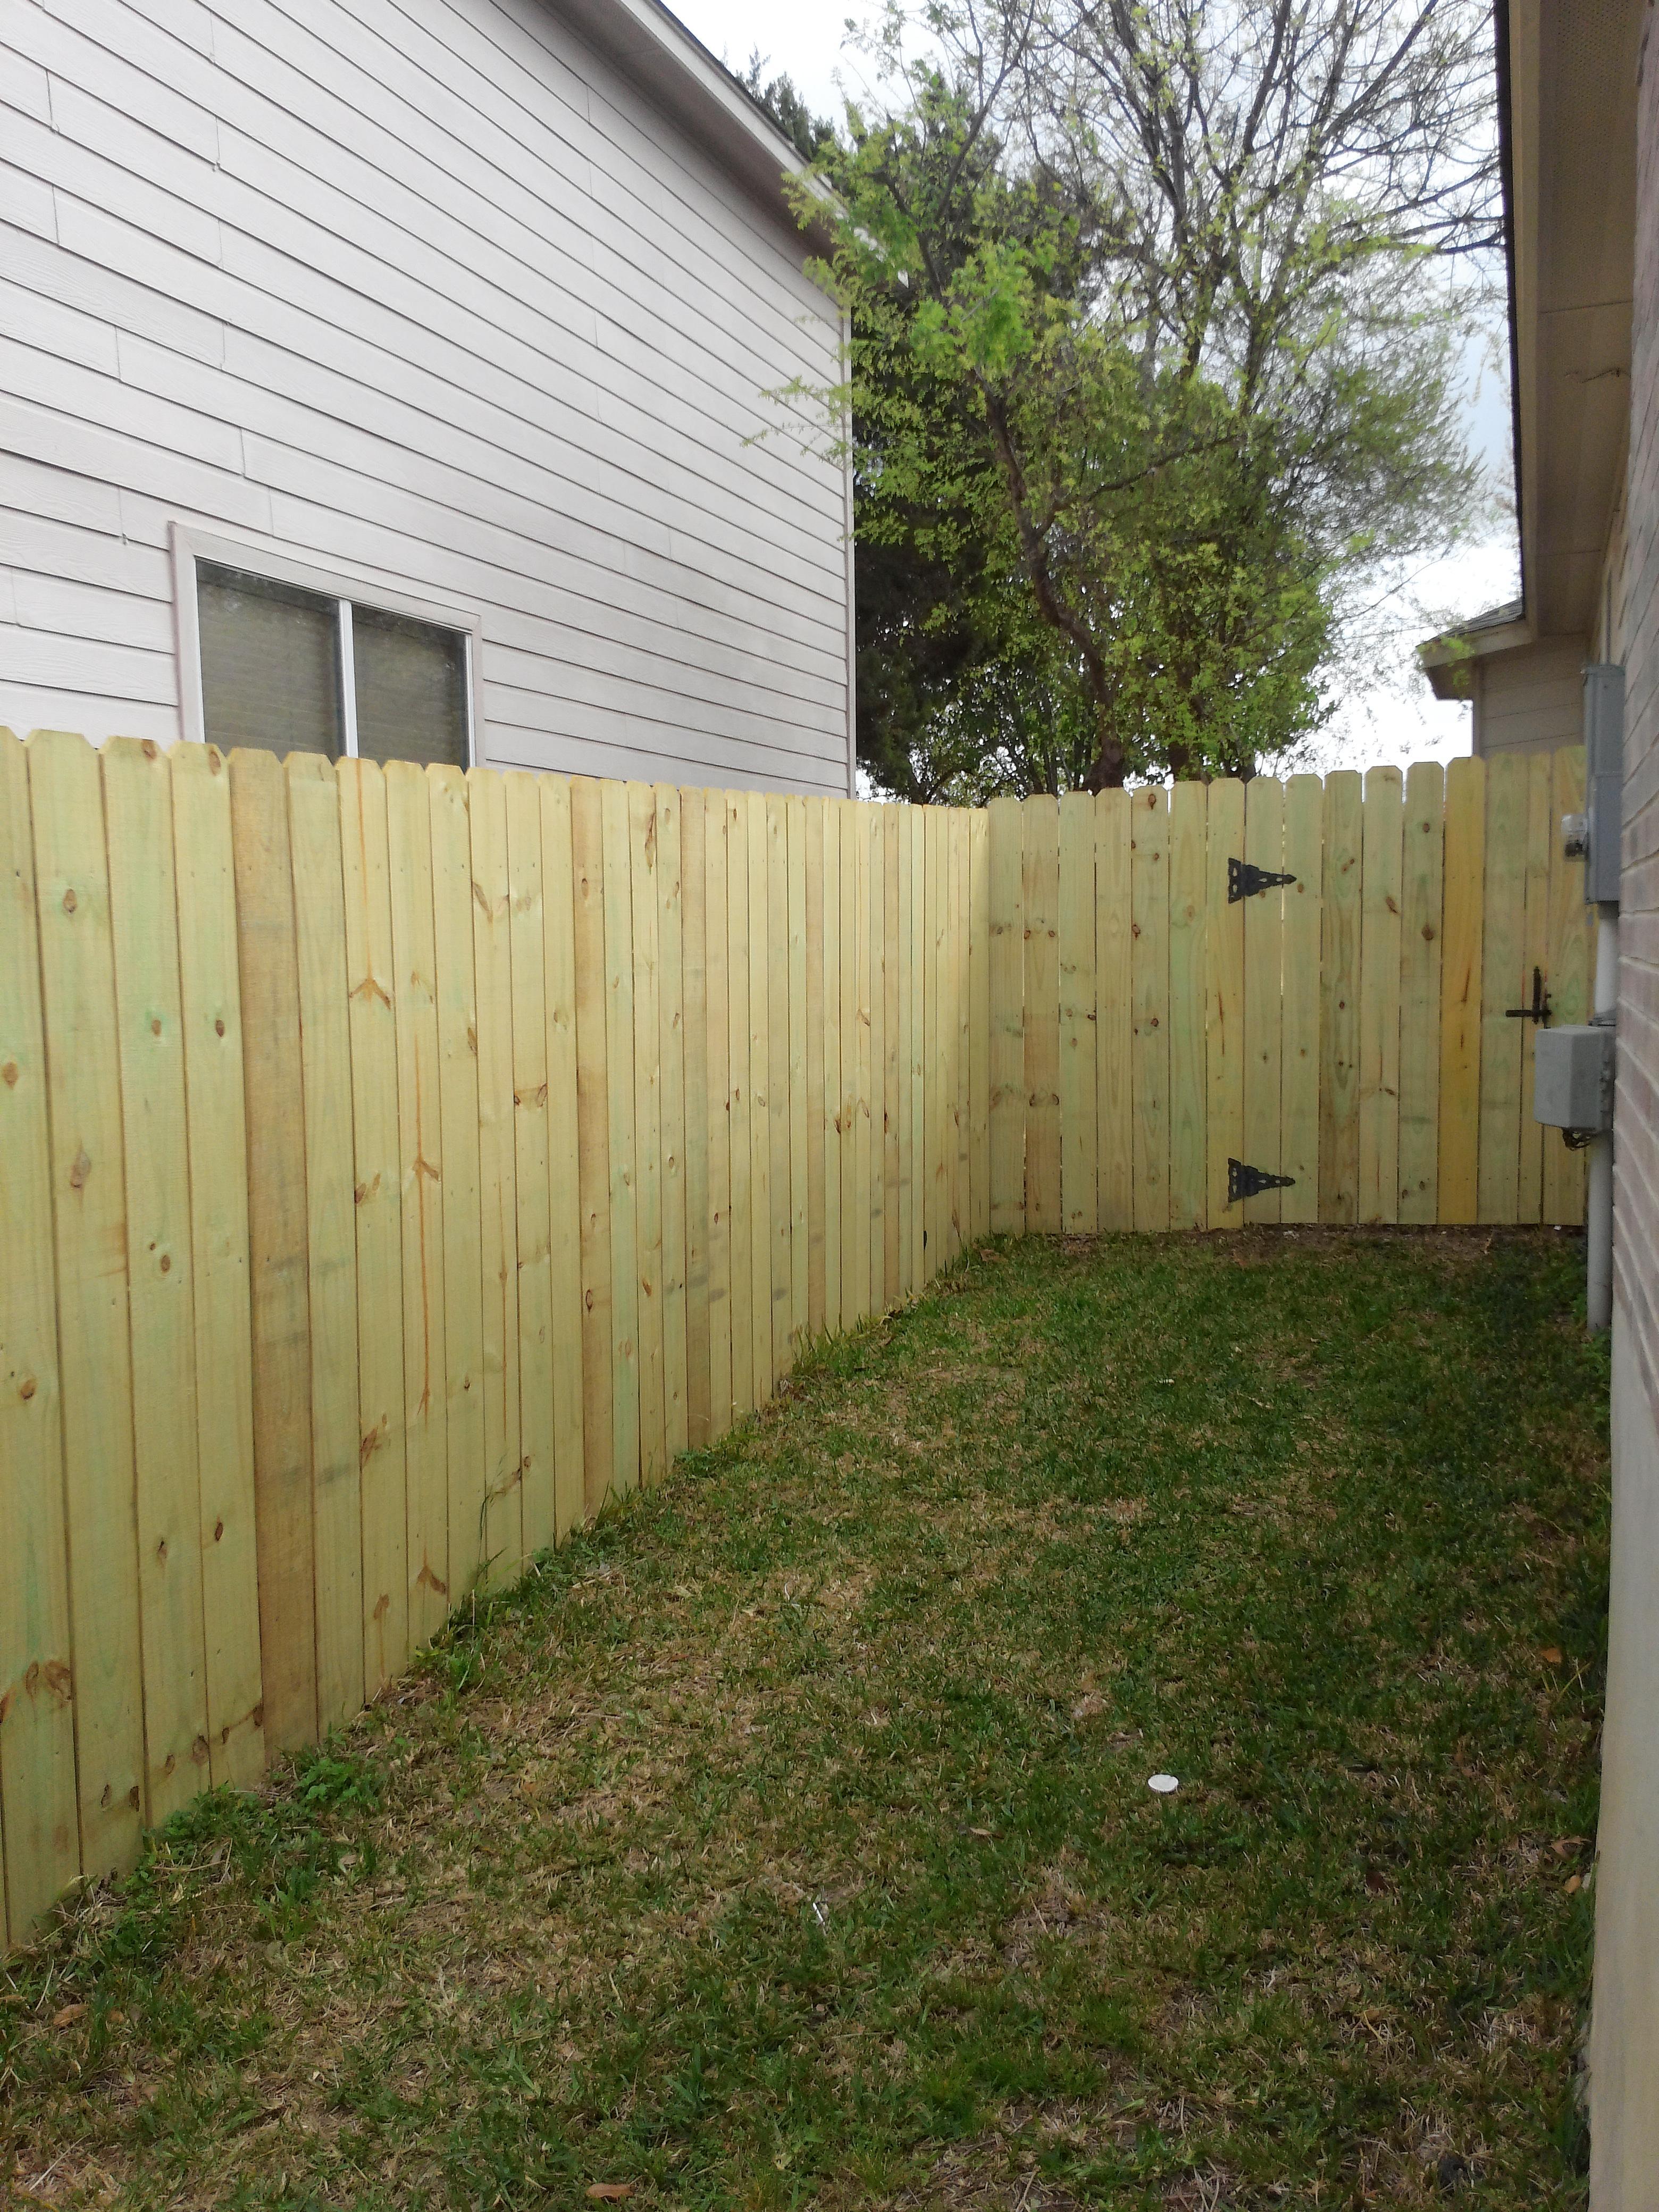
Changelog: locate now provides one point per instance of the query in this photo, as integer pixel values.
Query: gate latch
(1539, 1011)
(1245, 1181)
(1245, 880)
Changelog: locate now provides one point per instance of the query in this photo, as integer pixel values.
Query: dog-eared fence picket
(394, 1163)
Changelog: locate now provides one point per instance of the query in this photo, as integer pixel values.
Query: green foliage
(1150, 366)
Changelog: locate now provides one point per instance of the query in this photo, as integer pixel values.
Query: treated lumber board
(592, 1132)
(932, 1237)
(777, 1079)
(876, 999)
(366, 867)
(799, 1181)
(647, 1133)
(448, 805)
(738, 1116)
(1340, 977)
(421, 1167)
(852, 1296)
(916, 820)
(1224, 962)
(863, 1159)
(624, 1366)
(492, 958)
(37, 1814)
(1114, 1012)
(1264, 956)
(1567, 977)
(892, 1117)
(278, 1263)
(959, 1066)
(908, 1118)
(812, 1071)
(564, 1152)
(211, 1008)
(1542, 834)
(671, 1030)
(1424, 840)
(1380, 899)
(1149, 978)
(829, 1103)
(1502, 947)
(532, 1215)
(1040, 888)
(693, 891)
(330, 1243)
(1461, 963)
(760, 1102)
(1078, 1132)
(77, 981)
(716, 969)
(1188, 1105)
(1005, 839)
(149, 1040)
(1299, 1019)
(979, 1022)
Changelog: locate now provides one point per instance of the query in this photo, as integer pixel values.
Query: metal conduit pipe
(1598, 1195)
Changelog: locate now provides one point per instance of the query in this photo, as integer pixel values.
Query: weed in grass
(786, 1838)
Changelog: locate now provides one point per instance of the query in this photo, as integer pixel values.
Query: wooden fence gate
(395, 1163)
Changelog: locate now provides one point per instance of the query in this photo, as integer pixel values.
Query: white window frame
(190, 546)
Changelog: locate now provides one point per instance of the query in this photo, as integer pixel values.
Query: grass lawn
(787, 1839)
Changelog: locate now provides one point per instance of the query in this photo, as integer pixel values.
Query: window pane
(411, 689)
(270, 664)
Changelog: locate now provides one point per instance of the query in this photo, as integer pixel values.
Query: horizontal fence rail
(394, 1163)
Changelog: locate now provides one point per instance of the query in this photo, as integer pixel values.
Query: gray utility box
(1572, 1077)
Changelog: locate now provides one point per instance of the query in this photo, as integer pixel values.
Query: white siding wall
(422, 293)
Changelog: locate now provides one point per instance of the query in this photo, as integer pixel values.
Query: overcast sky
(1396, 719)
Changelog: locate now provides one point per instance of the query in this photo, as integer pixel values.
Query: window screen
(411, 689)
(270, 664)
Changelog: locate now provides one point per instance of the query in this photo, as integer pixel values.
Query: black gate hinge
(1245, 880)
(1539, 1011)
(1245, 1181)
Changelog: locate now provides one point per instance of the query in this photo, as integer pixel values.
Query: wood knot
(8, 1075)
(81, 1170)
(70, 901)
(167, 1262)
(26, 1388)
(219, 1026)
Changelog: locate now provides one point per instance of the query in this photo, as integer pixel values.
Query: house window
(294, 670)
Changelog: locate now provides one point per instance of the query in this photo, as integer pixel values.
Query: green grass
(787, 1837)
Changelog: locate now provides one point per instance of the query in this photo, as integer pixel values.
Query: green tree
(1157, 330)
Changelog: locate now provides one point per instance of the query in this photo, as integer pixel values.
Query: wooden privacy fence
(395, 1163)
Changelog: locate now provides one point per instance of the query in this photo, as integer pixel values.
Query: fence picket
(1299, 1056)
(449, 813)
(1424, 852)
(1503, 944)
(1149, 904)
(1079, 1131)
(647, 1160)
(278, 1291)
(1340, 980)
(760, 1099)
(719, 1067)
(778, 1027)
(1461, 969)
(37, 1814)
(829, 1098)
(564, 1146)
(1114, 1012)
(979, 1020)
(619, 1044)
(1005, 823)
(671, 1032)
(741, 1151)
(149, 1044)
(1380, 898)
(1044, 1211)
(1224, 953)
(1264, 955)
(1542, 834)
(533, 1222)
(699, 1188)
(592, 1133)
(799, 1019)
(1189, 970)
